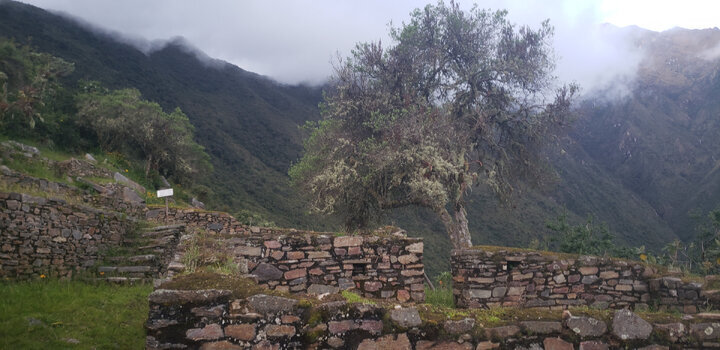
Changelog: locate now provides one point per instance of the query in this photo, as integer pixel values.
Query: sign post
(167, 192)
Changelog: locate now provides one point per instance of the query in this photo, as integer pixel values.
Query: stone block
(499, 292)
(347, 241)
(606, 275)
(406, 317)
(210, 332)
(541, 327)
(588, 270)
(293, 274)
(627, 326)
(279, 331)
(557, 344)
(244, 332)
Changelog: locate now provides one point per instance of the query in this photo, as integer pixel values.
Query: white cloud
(294, 41)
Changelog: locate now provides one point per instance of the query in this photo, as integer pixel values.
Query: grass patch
(439, 297)
(241, 287)
(44, 314)
(34, 168)
(352, 297)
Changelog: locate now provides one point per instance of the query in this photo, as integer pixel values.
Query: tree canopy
(458, 98)
(27, 80)
(124, 122)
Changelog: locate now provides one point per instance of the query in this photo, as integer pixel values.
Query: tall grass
(52, 314)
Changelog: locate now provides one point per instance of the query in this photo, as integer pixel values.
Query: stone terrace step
(125, 269)
(147, 258)
(152, 234)
(165, 228)
(125, 280)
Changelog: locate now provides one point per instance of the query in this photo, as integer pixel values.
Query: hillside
(662, 142)
(640, 164)
(247, 123)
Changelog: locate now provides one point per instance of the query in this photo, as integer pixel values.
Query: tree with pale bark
(459, 98)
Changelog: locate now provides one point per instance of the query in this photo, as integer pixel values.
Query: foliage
(352, 297)
(27, 80)
(442, 295)
(124, 122)
(45, 314)
(702, 254)
(460, 98)
(581, 239)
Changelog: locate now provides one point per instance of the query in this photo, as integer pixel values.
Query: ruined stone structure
(484, 278)
(385, 266)
(51, 237)
(214, 319)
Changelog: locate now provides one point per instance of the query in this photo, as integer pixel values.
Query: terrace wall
(484, 279)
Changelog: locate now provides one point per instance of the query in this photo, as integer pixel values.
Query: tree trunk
(147, 166)
(456, 226)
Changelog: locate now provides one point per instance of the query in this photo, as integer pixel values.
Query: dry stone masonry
(40, 236)
(497, 277)
(380, 266)
(214, 319)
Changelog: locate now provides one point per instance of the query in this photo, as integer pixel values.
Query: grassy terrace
(52, 314)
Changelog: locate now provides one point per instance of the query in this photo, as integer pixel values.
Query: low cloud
(294, 42)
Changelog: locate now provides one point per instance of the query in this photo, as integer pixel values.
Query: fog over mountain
(296, 41)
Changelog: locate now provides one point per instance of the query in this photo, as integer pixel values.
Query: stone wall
(217, 222)
(109, 197)
(52, 237)
(215, 319)
(387, 266)
(484, 278)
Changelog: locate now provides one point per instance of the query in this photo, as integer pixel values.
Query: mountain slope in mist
(663, 140)
(247, 123)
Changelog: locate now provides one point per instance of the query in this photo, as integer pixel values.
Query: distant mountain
(663, 141)
(641, 163)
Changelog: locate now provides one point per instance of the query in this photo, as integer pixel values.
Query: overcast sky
(294, 41)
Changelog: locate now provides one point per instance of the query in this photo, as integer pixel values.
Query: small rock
(459, 327)
(406, 317)
(627, 326)
(244, 332)
(541, 327)
(586, 326)
(318, 289)
(266, 304)
(130, 196)
(90, 158)
(267, 272)
(502, 332)
(210, 332)
(34, 322)
(196, 203)
(120, 178)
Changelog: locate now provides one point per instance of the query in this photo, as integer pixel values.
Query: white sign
(165, 193)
